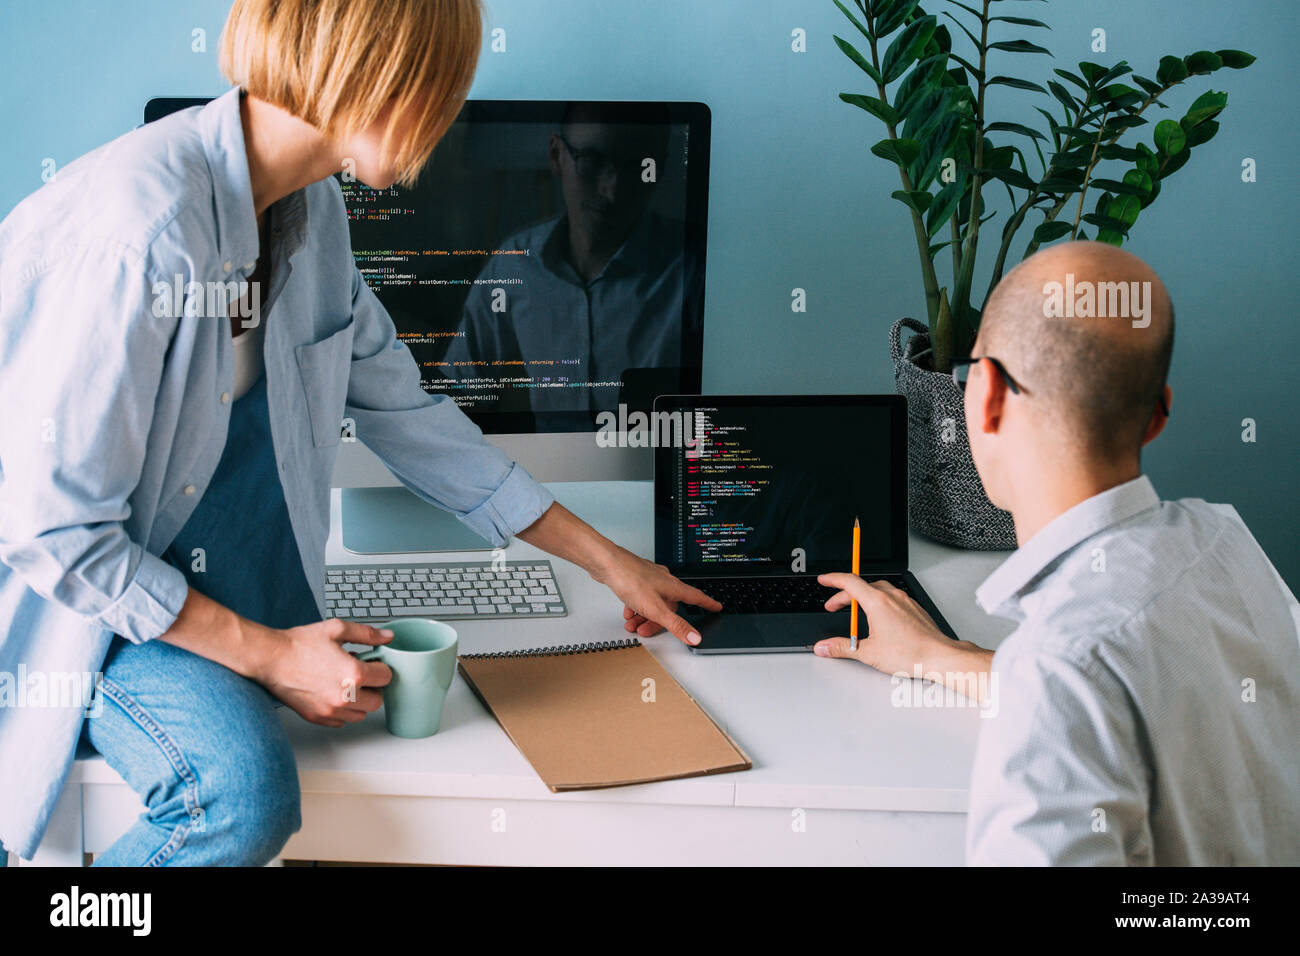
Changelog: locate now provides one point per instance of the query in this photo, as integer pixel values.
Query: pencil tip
(855, 521)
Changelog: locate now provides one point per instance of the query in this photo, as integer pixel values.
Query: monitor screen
(772, 484)
(549, 263)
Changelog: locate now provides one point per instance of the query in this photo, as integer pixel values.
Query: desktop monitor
(547, 273)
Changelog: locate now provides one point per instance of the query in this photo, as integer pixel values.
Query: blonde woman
(165, 472)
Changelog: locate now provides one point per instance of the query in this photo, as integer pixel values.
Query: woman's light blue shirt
(115, 410)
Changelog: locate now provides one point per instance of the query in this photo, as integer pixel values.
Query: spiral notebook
(597, 715)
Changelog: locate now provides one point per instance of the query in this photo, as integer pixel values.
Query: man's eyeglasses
(961, 372)
(591, 163)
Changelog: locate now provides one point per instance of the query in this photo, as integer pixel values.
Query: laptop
(756, 495)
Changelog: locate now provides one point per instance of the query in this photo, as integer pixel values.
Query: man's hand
(311, 672)
(650, 595)
(902, 636)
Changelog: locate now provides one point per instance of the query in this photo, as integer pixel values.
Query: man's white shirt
(1148, 704)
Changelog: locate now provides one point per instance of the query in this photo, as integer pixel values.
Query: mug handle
(370, 655)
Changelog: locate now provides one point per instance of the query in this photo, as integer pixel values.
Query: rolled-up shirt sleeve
(1058, 777)
(427, 442)
(81, 359)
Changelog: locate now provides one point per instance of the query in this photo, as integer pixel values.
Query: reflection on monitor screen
(549, 263)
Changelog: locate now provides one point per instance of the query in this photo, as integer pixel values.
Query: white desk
(840, 775)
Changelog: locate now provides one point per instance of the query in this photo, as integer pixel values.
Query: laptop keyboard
(774, 595)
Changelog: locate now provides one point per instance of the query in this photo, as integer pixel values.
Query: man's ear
(990, 393)
(1158, 418)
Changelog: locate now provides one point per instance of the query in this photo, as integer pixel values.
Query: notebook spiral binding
(556, 650)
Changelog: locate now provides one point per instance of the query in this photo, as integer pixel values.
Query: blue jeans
(205, 751)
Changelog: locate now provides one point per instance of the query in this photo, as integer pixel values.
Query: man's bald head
(1087, 329)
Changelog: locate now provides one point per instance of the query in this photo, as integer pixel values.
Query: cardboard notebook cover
(578, 715)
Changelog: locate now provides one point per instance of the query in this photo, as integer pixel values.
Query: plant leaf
(877, 108)
(1123, 188)
(1207, 106)
(907, 46)
(1114, 73)
(971, 68)
(1203, 62)
(853, 54)
(1147, 161)
(1151, 87)
(1010, 176)
(1200, 133)
(1142, 180)
(926, 115)
(1051, 231)
(1076, 80)
(900, 151)
(1071, 158)
(1235, 59)
(941, 42)
(1106, 222)
(1171, 164)
(1019, 46)
(945, 204)
(1062, 184)
(891, 18)
(922, 79)
(1015, 128)
(854, 20)
(1125, 209)
(918, 200)
(1170, 138)
(1120, 96)
(1118, 124)
(1020, 21)
(1115, 151)
(964, 29)
(1172, 70)
(1051, 125)
(1017, 83)
(1093, 72)
(1063, 95)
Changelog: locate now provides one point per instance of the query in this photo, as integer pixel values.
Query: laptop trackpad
(799, 630)
(767, 632)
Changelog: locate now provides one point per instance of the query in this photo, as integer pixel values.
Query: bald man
(1148, 703)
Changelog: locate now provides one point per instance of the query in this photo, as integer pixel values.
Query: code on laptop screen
(775, 489)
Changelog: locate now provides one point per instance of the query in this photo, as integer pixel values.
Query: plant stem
(959, 302)
(1087, 175)
(928, 277)
(1032, 247)
(1019, 215)
(956, 247)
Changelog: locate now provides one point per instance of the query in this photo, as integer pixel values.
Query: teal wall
(798, 201)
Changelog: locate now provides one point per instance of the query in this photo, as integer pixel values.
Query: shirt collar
(223, 144)
(1000, 593)
(237, 240)
(630, 256)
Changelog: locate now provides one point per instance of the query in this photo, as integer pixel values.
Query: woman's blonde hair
(337, 63)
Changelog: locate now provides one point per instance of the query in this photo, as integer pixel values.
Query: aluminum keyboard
(449, 591)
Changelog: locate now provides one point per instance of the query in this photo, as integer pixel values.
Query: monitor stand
(394, 520)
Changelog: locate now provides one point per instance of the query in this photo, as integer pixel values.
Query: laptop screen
(771, 484)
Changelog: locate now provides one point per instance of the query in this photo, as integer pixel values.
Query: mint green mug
(422, 656)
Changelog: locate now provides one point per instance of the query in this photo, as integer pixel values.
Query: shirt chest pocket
(324, 367)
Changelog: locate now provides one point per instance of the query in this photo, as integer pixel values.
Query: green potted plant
(932, 101)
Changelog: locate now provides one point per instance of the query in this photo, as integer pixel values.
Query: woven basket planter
(946, 500)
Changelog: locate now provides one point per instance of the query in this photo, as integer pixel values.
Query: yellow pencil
(853, 607)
